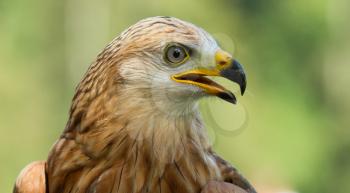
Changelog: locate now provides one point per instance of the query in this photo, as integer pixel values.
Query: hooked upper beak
(225, 67)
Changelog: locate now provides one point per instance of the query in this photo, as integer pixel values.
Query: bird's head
(169, 62)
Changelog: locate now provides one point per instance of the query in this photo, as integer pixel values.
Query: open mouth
(202, 81)
(199, 79)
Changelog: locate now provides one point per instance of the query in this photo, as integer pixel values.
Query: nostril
(222, 63)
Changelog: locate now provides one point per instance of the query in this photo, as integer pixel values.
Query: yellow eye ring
(176, 54)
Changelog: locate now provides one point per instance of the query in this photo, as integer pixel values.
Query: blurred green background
(292, 125)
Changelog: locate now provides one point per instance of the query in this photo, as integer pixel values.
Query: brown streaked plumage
(134, 125)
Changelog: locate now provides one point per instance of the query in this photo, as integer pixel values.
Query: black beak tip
(236, 74)
(228, 96)
(242, 91)
(243, 84)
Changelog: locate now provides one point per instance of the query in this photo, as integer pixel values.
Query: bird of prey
(134, 124)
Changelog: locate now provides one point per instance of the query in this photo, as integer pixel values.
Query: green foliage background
(295, 52)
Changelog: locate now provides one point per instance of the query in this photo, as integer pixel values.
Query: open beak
(225, 67)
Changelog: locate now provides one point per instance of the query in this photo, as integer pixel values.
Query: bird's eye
(176, 54)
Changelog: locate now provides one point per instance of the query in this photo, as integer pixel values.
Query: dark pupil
(176, 53)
